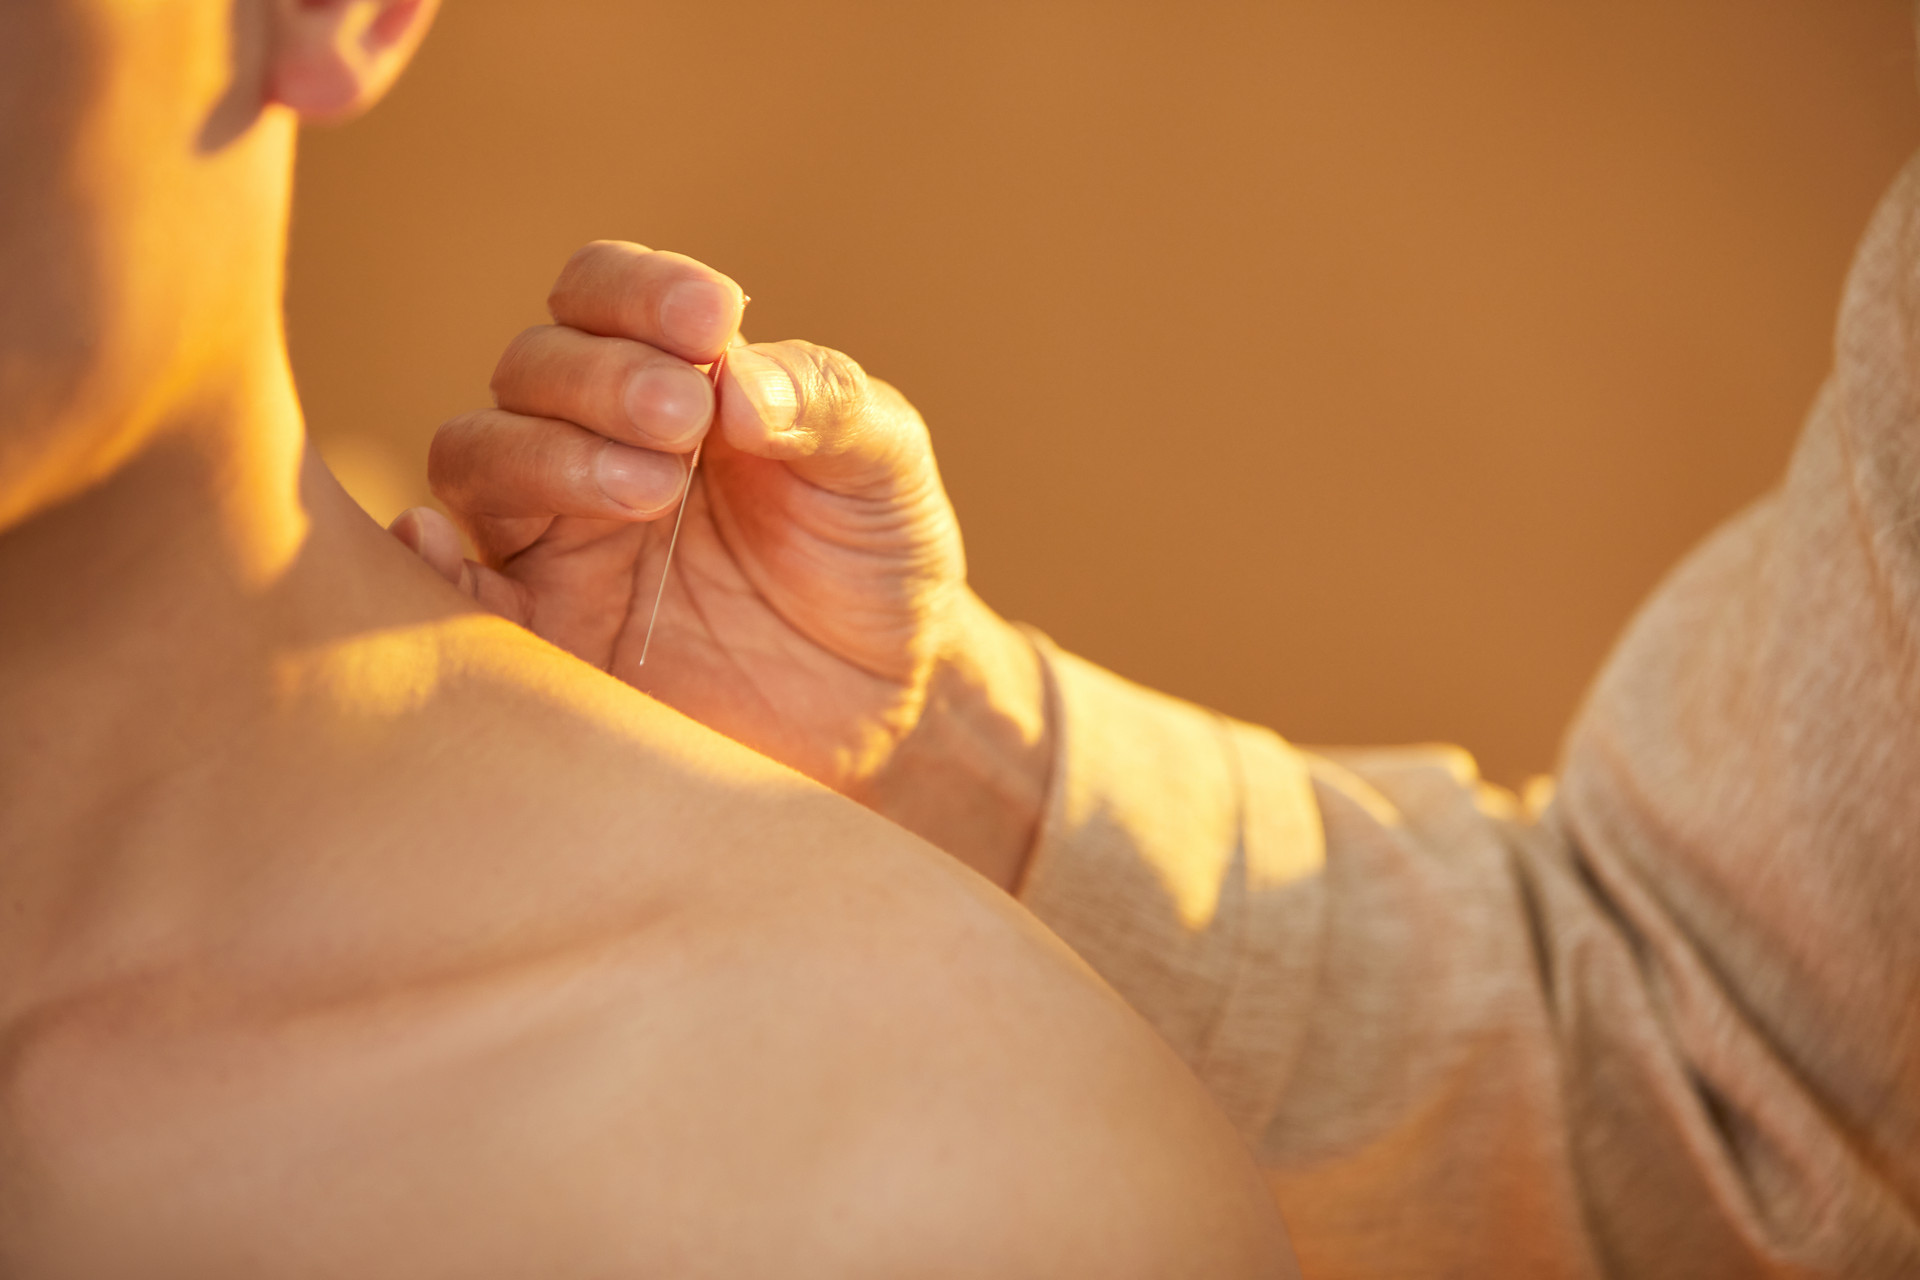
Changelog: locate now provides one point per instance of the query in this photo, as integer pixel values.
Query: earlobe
(332, 59)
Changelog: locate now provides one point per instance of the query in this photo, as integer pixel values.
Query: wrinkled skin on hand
(819, 562)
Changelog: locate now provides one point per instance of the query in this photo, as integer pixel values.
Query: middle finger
(620, 389)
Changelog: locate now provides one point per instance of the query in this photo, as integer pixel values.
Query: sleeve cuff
(1168, 827)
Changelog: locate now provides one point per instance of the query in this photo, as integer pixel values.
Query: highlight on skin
(354, 926)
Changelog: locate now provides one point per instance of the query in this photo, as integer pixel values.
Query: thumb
(816, 410)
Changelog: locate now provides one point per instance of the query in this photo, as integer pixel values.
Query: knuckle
(573, 468)
(839, 387)
(515, 358)
(589, 385)
(597, 254)
(578, 263)
(590, 262)
(608, 365)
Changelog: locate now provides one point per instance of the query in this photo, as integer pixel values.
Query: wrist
(973, 775)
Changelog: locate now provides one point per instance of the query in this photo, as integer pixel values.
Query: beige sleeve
(1668, 1028)
(1343, 954)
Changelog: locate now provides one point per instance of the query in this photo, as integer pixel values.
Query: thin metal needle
(674, 539)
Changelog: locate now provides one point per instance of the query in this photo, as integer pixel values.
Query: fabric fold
(1668, 1028)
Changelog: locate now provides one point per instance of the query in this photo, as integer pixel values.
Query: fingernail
(697, 315)
(640, 481)
(669, 402)
(767, 386)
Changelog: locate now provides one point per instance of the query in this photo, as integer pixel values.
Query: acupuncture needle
(686, 491)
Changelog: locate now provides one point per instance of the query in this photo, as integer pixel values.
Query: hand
(818, 590)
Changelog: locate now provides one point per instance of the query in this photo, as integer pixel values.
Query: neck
(148, 542)
(135, 618)
(175, 549)
(141, 618)
(167, 539)
(145, 629)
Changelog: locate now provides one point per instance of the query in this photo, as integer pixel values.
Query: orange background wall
(1350, 365)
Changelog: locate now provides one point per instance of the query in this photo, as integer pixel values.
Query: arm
(1666, 1028)
(1663, 1029)
(973, 775)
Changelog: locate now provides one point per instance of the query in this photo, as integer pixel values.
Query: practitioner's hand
(818, 589)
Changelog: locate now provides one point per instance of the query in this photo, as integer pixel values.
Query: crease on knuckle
(836, 389)
(575, 470)
(600, 384)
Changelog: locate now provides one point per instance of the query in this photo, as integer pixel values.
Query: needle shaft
(673, 539)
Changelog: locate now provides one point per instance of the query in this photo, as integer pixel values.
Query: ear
(333, 59)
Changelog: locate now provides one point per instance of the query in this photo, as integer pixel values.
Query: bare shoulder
(578, 988)
(887, 1067)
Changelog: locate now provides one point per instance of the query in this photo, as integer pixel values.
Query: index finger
(666, 300)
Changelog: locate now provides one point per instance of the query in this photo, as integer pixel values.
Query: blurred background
(1353, 366)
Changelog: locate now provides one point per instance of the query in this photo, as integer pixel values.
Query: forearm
(972, 777)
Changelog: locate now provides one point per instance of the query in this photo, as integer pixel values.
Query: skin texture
(771, 604)
(348, 930)
(818, 608)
